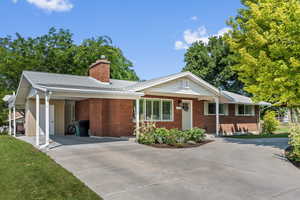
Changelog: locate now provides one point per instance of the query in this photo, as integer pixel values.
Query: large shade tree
(266, 44)
(55, 52)
(212, 62)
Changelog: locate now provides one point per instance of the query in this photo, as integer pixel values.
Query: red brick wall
(82, 110)
(114, 117)
(100, 71)
(108, 117)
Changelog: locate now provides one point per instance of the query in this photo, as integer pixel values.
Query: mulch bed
(166, 146)
(296, 163)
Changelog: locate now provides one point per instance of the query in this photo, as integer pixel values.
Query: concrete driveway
(225, 169)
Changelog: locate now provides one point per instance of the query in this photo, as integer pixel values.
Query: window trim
(244, 115)
(206, 104)
(161, 110)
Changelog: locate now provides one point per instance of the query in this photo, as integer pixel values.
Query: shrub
(149, 134)
(146, 132)
(196, 134)
(4, 133)
(294, 141)
(270, 123)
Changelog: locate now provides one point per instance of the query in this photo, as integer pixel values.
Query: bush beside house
(270, 123)
(149, 134)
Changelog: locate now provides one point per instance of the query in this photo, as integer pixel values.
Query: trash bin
(84, 126)
(79, 128)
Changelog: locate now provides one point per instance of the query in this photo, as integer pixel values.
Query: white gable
(181, 86)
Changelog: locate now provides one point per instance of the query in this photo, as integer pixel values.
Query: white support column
(47, 118)
(15, 126)
(137, 117)
(217, 115)
(9, 119)
(37, 118)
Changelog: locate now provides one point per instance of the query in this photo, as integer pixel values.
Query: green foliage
(212, 62)
(55, 52)
(195, 134)
(270, 123)
(4, 133)
(294, 141)
(266, 43)
(149, 134)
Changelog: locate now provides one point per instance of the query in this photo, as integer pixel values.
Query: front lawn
(253, 136)
(26, 173)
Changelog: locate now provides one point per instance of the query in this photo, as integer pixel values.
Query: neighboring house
(114, 107)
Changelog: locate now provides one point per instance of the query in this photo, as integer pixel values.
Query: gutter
(56, 89)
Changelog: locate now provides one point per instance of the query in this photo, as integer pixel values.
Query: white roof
(150, 83)
(240, 99)
(44, 79)
(64, 82)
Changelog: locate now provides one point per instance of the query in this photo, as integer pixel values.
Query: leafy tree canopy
(212, 62)
(266, 44)
(55, 52)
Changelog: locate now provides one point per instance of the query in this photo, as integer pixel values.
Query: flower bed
(173, 138)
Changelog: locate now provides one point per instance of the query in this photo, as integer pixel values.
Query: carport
(45, 103)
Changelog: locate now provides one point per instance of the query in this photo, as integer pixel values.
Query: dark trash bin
(79, 128)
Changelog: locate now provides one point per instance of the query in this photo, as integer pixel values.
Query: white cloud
(222, 31)
(194, 18)
(51, 5)
(180, 45)
(200, 34)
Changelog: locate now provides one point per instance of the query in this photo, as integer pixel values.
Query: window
(155, 109)
(244, 110)
(211, 109)
(185, 84)
(166, 110)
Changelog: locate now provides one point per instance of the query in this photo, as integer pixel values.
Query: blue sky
(153, 34)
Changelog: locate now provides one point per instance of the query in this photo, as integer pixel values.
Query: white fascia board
(249, 103)
(84, 91)
(184, 74)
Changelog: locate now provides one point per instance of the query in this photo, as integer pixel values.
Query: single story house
(114, 107)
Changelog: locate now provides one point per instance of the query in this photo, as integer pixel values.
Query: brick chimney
(100, 70)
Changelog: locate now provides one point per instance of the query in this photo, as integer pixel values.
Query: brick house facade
(119, 117)
(115, 107)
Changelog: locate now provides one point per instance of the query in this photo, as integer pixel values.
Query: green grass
(283, 128)
(252, 136)
(26, 173)
(281, 132)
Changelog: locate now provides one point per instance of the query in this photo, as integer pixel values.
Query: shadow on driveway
(280, 143)
(58, 141)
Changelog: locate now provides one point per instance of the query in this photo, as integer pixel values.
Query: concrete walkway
(232, 169)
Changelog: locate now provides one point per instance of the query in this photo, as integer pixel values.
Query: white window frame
(206, 104)
(237, 110)
(185, 84)
(161, 109)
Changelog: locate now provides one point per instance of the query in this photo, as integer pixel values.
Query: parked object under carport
(79, 128)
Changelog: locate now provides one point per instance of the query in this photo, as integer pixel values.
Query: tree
(266, 44)
(55, 52)
(212, 62)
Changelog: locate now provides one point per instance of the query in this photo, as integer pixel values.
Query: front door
(42, 119)
(187, 115)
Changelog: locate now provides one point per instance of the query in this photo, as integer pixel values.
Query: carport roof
(44, 79)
